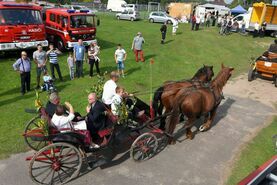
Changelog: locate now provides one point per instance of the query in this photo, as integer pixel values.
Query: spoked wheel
(57, 163)
(144, 147)
(31, 128)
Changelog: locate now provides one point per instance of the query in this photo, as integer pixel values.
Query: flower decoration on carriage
(38, 103)
(123, 110)
(98, 86)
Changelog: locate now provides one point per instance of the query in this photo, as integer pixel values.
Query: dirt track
(247, 108)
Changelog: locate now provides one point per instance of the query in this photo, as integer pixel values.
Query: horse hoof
(171, 142)
(202, 128)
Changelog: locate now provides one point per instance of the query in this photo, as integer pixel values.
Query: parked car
(128, 15)
(160, 17)
(78, 7)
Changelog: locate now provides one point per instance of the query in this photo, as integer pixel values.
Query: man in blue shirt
(23, 66)
(79, 57)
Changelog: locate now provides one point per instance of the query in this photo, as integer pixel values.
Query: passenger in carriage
(109, 89)
(54, 101)
(62, 121)
(117, 103)
(96, 116)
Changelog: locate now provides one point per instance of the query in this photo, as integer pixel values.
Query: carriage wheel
(251, 75)
(57, 163)
(34, 144)
(144, 147)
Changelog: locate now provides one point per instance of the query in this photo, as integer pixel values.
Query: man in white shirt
(62, 121)
(109, 89)
(120, 57)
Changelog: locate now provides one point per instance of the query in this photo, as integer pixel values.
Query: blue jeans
(79, 68)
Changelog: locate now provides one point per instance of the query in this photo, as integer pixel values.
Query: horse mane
(221, 79)
(199, 72)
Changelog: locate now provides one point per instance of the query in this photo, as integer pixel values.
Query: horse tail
(156, 100)
(174, 118)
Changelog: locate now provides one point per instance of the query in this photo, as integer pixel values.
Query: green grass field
(258, 151)
(179, 58)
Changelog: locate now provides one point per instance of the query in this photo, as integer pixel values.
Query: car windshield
(82, 21)
(19, 16)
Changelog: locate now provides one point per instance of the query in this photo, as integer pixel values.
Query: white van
(246, 17)
(130, 7)
(116, 5)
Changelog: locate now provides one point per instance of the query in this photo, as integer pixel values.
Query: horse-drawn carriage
(265, 66)
(60, 154)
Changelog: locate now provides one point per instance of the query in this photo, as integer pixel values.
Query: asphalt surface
(200, 161)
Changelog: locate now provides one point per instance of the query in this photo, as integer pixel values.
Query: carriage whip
(151, 91)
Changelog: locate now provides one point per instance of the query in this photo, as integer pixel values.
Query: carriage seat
(69, 137)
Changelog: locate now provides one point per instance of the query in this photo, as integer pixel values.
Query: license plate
(25, 37)
(268, 64)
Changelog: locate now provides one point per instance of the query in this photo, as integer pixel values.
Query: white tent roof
(215, 6)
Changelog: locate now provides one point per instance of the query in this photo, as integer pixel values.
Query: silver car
(128, 15)
(160, 17)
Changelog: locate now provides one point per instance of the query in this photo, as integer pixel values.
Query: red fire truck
(64, 27)
(21, 26)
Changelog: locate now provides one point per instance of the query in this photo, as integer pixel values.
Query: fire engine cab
(21, 26)
(65, 27)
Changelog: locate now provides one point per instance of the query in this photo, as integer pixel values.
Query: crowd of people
(75, 62)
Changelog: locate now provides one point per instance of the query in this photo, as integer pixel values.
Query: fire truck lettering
(35, 30)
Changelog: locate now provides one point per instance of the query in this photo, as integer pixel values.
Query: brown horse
(195, 102)
(164, 96)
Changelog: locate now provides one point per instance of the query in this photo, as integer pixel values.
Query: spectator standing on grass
(193, 22)
(163, 32)
(70, 62)
(52, 54)
(137, 46)
(243, 26)
(120, 56)
(93, 58)
(256, 29)
(198, 20)
(208, 19)
(23, 66)
(263, 27)
(174, 26)
(79, 57)
(40, 59)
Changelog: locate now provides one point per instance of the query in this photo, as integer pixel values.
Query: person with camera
(23, 66)
(52, 54)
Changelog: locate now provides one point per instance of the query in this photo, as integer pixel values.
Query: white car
(128, 15)
(78, 7)
(160, 17)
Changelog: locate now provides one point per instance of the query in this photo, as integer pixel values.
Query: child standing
(70, 63)
(120, 57)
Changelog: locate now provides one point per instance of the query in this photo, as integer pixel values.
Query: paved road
(200, 161)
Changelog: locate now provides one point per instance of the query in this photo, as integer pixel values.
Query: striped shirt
(53, 57)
